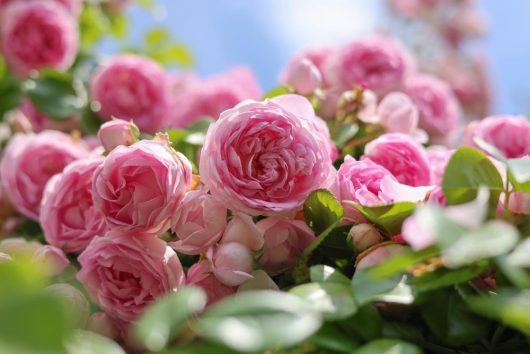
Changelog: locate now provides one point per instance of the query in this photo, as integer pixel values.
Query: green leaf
(519, 257)
(256, 321)
(201, 348)
(401, 261)
(160, 46)
(392, 289)
(278, 91)
(467, 170)
(519, 173)
(490, 149)
(90, 121)
(389, 217)
(326, 274)
(332, 338)
(165, 317)
(366, 322)
(333, 300)
(345, 133)
(447, 277)
(10, 94)
(388, 346)
(511, 308)
(85, 342)
(54, 95)
(322, 210)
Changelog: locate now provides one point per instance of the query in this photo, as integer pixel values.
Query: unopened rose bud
(377, 254)
(118, 132)
(100, 323)
(232, 263)
(51, 259)
(76, 302)
(304, 77)
(398, 114)
(242, 229)
(364, 236)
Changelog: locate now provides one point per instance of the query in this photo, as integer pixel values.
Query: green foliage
(326, 274)
(10, 91)
(333, 300)
(96, 23)
(388, 217)
(394, 289)
(519, 173)
(322, 210)
(278, 91)
(85, 342)
(388, 346)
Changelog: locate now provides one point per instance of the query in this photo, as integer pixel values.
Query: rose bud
(101, 324)
(51, 259)
(398, 114)
(77, 304)
(377, 254)
(304, 76)
(243, 230)
(118, 132)
(364, 236)
(200, 274)
(232, 263)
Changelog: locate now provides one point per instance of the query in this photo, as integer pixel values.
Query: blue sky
(264, 34)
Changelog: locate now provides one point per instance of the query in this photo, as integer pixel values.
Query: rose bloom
(200, 274)
(133, 88)
(123, 274)
(30, 160)
(36, 35)
(40, 121)
(402, 156)
(285, 241)
(198, 222)
(318, 56)
(438, 157)
(72, 6)
(377, 63)
(509, 134)
(438, 107)
(209, 98)
(138, 187)
(68, 217)
(397, 113)
(265, 157)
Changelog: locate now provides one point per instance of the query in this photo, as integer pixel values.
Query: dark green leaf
(90, 121)
(10, 94)
(332, 338)
(366, 322)
(388, 217)
(322, 210)
(333, 300)
(388, 346)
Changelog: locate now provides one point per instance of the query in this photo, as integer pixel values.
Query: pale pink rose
(377, 63)
(68, 217)
(210, 97)
(318, 56)
(40, 122)
(198, 222)
(418, 235)
(72, 6)
(364, 236)
(242, 229)
(200, 274)
(51, 259)
(440, 112)
(133, 88)
(379, 253)
(75, 301)
(138, 187)
(438, 157)
(304, 77)
(123, 274)
(520, 203)
(30, 160)
(285, 240)
(329, 103)
(397, 113)
(117, 132)
(402, 156)
(36, 35)
(265, 157)
(231, 263)
(509, 134)
(101, 324)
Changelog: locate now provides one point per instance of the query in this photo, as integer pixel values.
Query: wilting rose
(377, 63)
(133, 88)
(231, 263)
(509, 134)
(30, 160)
(200, 274)
(285, 241)
(198, 222)
(210, 97)
(265, 157)
(68, 217)
(402, 156)
(36, 35)
(123, 274)
(138, 187)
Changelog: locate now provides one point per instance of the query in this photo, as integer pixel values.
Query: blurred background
(264, 34)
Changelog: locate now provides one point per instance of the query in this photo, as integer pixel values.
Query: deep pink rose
(377, 63)
(40, 121)
(68, 216)
(123, 274)
(402, 156)
(265, 157)
(285, 241)
(200, 274)
(133, 88)
(198, 223)
(209, 98)
(30, 160)
(439, 109)
(72, 6)
(36, 35)
(138, 187)
(509, 134)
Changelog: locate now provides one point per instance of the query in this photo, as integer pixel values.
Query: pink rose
(72, 6)
(364, 236)
(231, 263)
(266, 157)
(318, 56)
(133, 87)
(509, 134)
(36, 35)
(304, 77)
(40, 122)
(438, 157)
(200, 274)
(117, 132)
(377, 63)
(520, 203)
(30, 160)
(68, 217)
(209, 98)
(398, 114)
(413, 8)
(439, 109)
(123, 274)
(285, 240)
(101, 324)
(198, 223)
(243, 230)
(402, 156)
(138, 188)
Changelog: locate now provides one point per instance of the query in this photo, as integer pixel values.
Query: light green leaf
(85, 342)
(322, 210)
(326, 274)
(392, 289)
(333, 300)
(388, 346)
(390, 217)
(278, 91)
